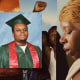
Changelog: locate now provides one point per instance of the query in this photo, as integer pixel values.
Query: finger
(42, 8)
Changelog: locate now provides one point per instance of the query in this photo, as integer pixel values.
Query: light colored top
(23, 48)
(74, 69)
(52, 65)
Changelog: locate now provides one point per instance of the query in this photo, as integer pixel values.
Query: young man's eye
(25, 30)
(69, 32)
(17, 30)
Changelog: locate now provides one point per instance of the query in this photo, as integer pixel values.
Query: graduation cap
(20, 19)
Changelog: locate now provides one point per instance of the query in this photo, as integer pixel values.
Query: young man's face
(71, 38)
(20, 32)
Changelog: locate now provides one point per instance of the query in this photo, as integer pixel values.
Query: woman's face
(71, 38)
(52, 37)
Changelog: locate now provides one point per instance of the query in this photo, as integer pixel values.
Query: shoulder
(73, 69)
(4, 48)
(35, 46)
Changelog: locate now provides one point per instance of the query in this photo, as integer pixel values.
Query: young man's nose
(22, 31)
(63, 39)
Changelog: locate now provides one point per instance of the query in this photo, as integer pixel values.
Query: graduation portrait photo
(20, 40)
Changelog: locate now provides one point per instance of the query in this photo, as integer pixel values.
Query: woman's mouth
(68, 51)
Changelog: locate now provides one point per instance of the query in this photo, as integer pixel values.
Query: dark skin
(39, 6)
(20, 34)
(71, 41)
(70, 38)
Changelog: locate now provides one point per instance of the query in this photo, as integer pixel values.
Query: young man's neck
(21, 43)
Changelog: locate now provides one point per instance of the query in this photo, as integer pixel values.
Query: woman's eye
(53, 35)
(69, 32)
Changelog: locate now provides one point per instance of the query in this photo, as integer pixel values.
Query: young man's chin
(22, 41)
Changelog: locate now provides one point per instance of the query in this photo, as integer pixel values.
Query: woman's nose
(63, 39)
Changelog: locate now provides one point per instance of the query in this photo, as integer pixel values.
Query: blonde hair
(71, 11)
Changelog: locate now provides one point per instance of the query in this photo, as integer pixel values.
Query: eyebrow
(20, 28)
(68, 28)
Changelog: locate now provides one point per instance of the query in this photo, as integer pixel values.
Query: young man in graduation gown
(19, 53)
